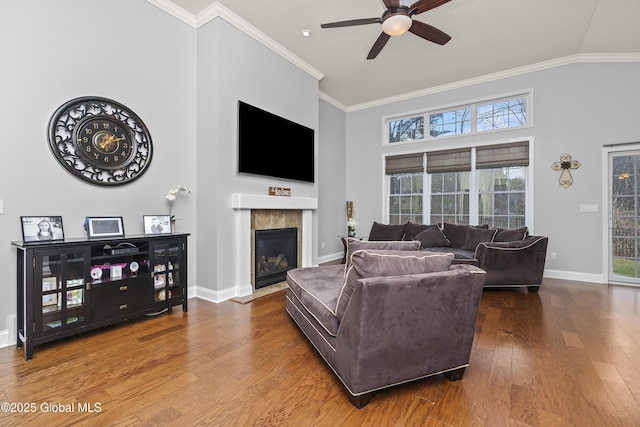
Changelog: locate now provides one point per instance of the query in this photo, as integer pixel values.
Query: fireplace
(276, 252)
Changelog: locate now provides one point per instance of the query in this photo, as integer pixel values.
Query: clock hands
(107, 143)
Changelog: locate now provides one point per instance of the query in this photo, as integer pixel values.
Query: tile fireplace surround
(242, 205)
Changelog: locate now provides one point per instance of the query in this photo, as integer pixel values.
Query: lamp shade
(396, 25)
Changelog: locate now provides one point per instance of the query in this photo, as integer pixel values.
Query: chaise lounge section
(391, 315)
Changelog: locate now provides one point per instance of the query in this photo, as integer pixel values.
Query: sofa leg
(533, 288)
(455, 375)
(359, 401)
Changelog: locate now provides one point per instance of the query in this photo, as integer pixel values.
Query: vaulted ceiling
(489, 38)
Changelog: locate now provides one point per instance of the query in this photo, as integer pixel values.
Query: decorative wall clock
(100, 141)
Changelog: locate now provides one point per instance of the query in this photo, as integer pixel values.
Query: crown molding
(216, 10)
(332, 101)
(539, 66)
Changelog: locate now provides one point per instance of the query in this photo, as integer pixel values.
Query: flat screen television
(273, 146)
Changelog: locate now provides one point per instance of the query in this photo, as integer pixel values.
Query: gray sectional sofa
(390, 315)
(510, 257)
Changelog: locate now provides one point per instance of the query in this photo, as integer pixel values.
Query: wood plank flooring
(566, 356)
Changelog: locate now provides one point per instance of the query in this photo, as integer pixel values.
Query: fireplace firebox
(276, 252)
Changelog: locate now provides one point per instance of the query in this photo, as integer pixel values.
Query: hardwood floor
(566, 356)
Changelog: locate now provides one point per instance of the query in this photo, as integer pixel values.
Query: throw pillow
(412, 230)
(432, 237)
(456, 234)
(386, 232)
(478, 235)
(504, 235)
(382, 263)
(355, 244)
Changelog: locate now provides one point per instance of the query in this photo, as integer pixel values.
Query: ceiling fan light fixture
(397, 24)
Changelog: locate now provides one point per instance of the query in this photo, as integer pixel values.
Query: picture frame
(156, 224)
(104, 227)
(42, 229)
(49, 284)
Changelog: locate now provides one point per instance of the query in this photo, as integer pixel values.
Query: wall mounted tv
(273, 146)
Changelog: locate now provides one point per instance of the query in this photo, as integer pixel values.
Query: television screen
(273, 146)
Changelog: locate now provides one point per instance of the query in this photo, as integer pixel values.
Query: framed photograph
(116, 272)
(42, 229)
(103, 227)
(49, 284)
(157, 224)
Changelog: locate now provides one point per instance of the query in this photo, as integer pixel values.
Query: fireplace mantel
(242, 204)
(257, 201)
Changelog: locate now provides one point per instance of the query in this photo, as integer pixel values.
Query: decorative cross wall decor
(565, 165)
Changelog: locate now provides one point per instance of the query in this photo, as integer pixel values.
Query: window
(475, 117)
(449, 197)
(501, 197)
(492, 190)
(405, 198)
(503, 114)
(406, 180)
(408, 129)
(454, 122)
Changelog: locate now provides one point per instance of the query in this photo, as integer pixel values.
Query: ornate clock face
(100, 141)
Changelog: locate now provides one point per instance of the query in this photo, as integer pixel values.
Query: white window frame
(473, 188)
(472, 105)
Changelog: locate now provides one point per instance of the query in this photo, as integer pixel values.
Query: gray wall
(56, 54)
(232, 66)
(578, 108)
(332, 164)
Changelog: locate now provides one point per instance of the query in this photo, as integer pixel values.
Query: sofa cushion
(505, 235)
(432, 237)
(412, 230)
(381, 263)
(356, 244)
(386, 231)
(455, 233)
(476, 236)
(317, 289)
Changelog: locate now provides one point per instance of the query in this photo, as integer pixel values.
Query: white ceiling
(488, 37)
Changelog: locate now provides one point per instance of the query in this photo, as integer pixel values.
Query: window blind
(458, 160)
(405, 163)
(503, 155)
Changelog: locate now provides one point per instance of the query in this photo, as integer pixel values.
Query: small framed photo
(103, 227)
(42, 229)
(116, 272)
(49, 284)
(157, 224)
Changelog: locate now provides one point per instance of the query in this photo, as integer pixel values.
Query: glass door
(62, 297)
(624, 217)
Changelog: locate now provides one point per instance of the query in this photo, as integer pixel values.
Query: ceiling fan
(397, 20)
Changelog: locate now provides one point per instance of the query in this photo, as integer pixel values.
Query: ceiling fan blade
(424, 5)
(378, 45)
(428, 32)
(391, 3)
(352, 22)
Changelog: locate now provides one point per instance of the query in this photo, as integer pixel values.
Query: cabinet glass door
(63, 297)
(167, 263)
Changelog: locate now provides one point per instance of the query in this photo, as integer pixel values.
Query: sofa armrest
(399, 328)
(520, 262)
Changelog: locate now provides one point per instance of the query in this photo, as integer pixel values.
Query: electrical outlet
(1, 206)
(553, 255)
(589, 208)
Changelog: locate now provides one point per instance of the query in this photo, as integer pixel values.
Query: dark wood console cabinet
(77, 285)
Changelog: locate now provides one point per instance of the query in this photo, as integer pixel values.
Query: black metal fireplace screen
(276, 252)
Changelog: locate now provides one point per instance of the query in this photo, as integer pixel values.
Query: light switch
(1, 206)
(589, 208)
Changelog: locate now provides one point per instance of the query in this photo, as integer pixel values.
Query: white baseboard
(574, 275)
(330, 257)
